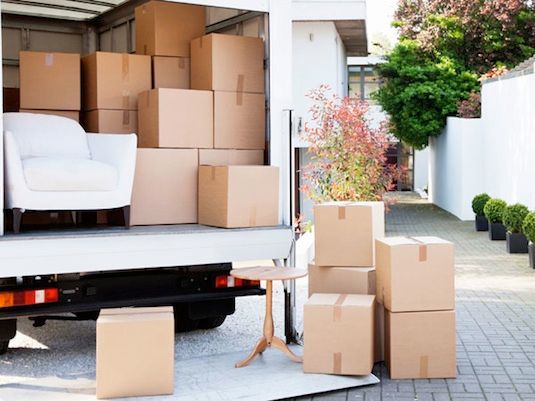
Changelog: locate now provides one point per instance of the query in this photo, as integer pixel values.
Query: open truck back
(56, 270)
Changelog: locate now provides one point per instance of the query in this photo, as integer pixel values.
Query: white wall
(421, 168)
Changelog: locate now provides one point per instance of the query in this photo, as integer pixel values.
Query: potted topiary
(493, 212)
(478, 203)
(513, 217)
(528, 228)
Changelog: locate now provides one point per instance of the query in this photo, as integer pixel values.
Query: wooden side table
(269, 274)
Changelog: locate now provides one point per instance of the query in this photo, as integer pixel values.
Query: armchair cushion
(68, 174)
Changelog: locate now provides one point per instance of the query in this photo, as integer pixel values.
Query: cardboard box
(49, 81)
(135, 352)
(231, 157)
(166, 29)
(239, 120)
(165, 187)
(110, 121)
(345, 233)
(113, 80)
(175, 118)
(415, 274)
(74, 115)
(338, 330)
(227, 63)
(238, 196)
(420, 345)
(170, 72)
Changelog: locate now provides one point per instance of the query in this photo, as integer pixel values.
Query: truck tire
(211, 322)
(4, 345)
(183, 323)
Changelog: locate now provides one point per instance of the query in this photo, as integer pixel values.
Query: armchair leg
(126, 215)
(17, 219)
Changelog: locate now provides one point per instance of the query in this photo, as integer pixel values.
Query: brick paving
(495, 317)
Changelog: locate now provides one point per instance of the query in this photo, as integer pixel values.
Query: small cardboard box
(170, 72)
(110, 121)
(415, 274)
(420, 345)
(135, 352)
(238, 196)
(165, 187)
(176, 118)
(239, 120)
(166, 28)
(231, 157)
(49, 81)
(228, 63)
(73, 115)
(113, 80)
(338, 330)
(345, 233)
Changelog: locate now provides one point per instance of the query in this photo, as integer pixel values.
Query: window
(363, 81)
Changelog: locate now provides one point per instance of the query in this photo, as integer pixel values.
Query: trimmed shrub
(478, 203)
(513, 217)
(528, 226)
(494, 210)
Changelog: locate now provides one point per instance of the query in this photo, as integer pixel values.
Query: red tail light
(232, 282)
(28, 297)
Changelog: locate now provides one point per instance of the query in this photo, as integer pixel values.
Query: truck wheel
(183, 323)
(4, 345)
(212, 322)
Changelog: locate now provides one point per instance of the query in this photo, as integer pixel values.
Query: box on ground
(238, 196)
(338, 330)
(231, 157)
(166, 28)
(110, 121)
(49, 80)
(239, 120)
(113, 80)
(175, 118)
(135, 352)
(345, 232)
(72, 114)
(227, 63)
(420, 345)
(165, 187)
(415, 274)
(170, 72)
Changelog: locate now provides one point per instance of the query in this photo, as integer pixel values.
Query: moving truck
(59, 273)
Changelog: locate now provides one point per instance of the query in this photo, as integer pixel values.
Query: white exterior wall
(421, 169)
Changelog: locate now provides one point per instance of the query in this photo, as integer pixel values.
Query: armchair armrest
(15, 182)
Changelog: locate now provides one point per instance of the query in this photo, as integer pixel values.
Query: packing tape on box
(252, 217)
(337, 363)
(341, 212)
(337, 309)
(125, 67)
(424, 366)
(49, 59)
(126, 117)
(181, 63)
(422, 257)
(126, 99)
(239, 90)
(212, 173)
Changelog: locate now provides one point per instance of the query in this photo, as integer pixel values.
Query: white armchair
(52, 164)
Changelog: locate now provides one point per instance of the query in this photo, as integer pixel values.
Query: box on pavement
(49, 80)
(227, 63)
(420, 345)
(415, 274)
(238, 196)
(231, 157)
(170, 72)
(165, 187)
(72, 114)
(166, 28)
(135, 352)
(110, 121)
(175, 118)
(338, 330)
(345, 233)
(114, 80)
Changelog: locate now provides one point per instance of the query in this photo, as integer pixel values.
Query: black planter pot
(531, 250)
(497, 231)
(517, 243)
(482, 224)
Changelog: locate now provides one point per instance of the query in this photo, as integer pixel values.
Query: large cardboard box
(170, 72)
(49, 81)
(239, 120)
(113, 80)
(345, 233)
(227, 63)
(238, 196)
(415, 274)
(166, 29)
(165, 187)
(420, 345)
(231, 157)
(135, 352)
(175, 118)
(338, 330)
(72, 114)
(110, 121)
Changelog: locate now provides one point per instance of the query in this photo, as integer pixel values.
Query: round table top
(268, 273)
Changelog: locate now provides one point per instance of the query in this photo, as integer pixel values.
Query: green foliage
(513, 217)
(528, 226)
(494, 210)
(478, 203)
